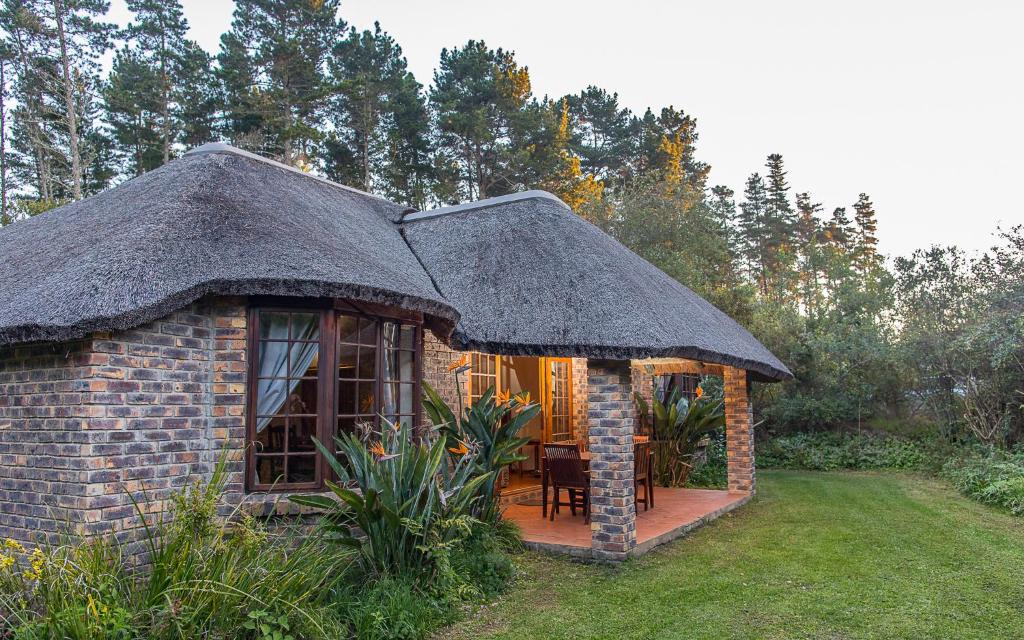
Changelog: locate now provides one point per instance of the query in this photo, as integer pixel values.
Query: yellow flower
(6, 561)
(11, 543)
(377, 449)
(461, 362)
(700, 391)
(503, 397)
(461, 450)
(523, 397)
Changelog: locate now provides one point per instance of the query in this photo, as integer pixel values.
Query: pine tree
(722, 207)
(780, 224)
(486, 120)
(808, 236)
(865, 238)
(567, 180)
(179, 82)
(381, 138)
(601, 134)
(134, 111)
(272, 66)
(752, 230)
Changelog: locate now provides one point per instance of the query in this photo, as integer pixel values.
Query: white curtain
(274, 356)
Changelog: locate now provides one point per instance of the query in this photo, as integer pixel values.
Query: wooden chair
(565, 471)
(643, 474)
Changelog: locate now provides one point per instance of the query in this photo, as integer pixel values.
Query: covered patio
(532, 279)
(678, 512)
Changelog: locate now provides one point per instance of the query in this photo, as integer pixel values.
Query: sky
(918, 104)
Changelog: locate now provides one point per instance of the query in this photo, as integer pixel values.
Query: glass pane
(269, 469)
(305, 326)
(347, 360)
(365, 399)
(390, 335)
(303, 398)
(273, 359)
(304, 358)
(346, 397)
(398, 365)
(348, 328)
(406, 421)
(367, 331)
(368, 363)
(405, 398)
(270, 435)
(301, 432)
(346, 425)
(273, 326)
(301, 468)
(408, 337)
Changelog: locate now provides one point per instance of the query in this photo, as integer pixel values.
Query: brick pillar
(739, 431)
(611, 417)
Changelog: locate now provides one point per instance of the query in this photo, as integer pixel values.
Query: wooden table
(585, 457)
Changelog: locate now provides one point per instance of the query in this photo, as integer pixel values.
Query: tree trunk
(165, 102)
(69, 100)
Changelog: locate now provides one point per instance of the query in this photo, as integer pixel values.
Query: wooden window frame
(327, 378)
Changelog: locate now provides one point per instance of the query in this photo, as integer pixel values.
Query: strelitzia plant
(678, 427)
(398, 501)
(487, 433)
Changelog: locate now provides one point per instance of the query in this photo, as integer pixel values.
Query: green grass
(815, 555)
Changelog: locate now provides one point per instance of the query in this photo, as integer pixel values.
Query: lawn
(815, 555)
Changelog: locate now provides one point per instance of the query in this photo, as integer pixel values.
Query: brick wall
(579, 398)
(437, 356)
(612, 420)
(138, 412)
(739, 431)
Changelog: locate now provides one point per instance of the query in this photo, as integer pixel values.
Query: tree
(752, 228)
(272, 66)
(808, 236)
(485, 118)
(381, 140)
(81, 41)
(567, 180)
(601, 134)
(134, 110)
(865, 238)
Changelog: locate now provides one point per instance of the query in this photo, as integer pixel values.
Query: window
(686, 383)
(320, 372)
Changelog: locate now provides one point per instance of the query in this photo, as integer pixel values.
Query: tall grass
(202, 577)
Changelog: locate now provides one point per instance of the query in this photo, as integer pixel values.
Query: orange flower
(461, 450)
(503, 397)
(523, 397)
(377, 449)
(700, 391)
(461, 362)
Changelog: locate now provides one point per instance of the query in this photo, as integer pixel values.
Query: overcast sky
(919, 104)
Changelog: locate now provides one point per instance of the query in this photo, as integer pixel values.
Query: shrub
(711, 471)
(832, 451)
(206, 577)
(990, 476)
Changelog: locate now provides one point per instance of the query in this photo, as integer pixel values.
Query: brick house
(227, 302)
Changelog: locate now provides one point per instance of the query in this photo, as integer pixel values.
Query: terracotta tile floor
(676, 512)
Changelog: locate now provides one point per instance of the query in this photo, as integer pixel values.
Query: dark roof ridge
(532, 194)
(223, 147)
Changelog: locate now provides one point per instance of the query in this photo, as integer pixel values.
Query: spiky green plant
(678, 427)
(398, 501)
(488, 431)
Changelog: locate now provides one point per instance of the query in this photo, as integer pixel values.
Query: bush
(832, 451)
(990, 476)
(712, 471)
(206, 577)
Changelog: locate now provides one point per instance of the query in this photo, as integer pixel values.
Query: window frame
(327, 377)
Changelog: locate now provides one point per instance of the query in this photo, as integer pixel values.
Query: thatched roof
(216, 221)
(529, 277)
